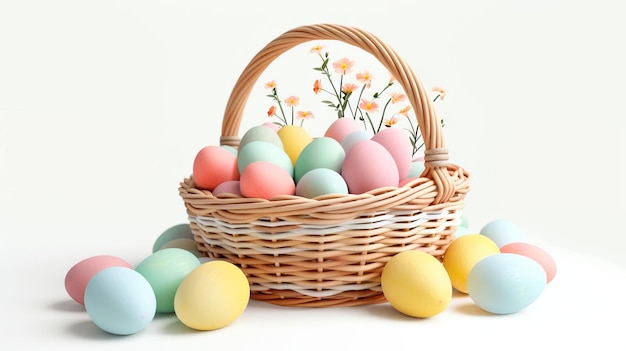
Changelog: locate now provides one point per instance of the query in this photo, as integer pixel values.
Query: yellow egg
(212, 296)
(463, 253)
(416, 284)
(294, 139)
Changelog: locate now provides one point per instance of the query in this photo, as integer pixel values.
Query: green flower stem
(380, 124)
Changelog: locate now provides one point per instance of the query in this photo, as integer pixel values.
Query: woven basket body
(331, 250)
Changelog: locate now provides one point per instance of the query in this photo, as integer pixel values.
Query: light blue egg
(179, 231)
(230, 149)
(460, 231)
(503, 232)
(259, 150)
(417, 167)
(505, 283)
(165, 270)
(354, 137)
(120, 301)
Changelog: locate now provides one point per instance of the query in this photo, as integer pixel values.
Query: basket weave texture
(331, 250)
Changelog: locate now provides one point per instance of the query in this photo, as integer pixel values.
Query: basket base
(294, 299)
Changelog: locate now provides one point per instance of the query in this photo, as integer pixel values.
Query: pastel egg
(229, 187)
(187, 244)
(260, 133)
(536, 253)
(120, 301)
(503, 232)
(397, 142)
(320, 153)
(259, 150)
(165, 270)
(505, 283)
(80, 273)
(294, 138)
(214, 165)
(212, 296)
(463, 253)
(416, 169)
(354, 137)
(178, 231)
(416, 284)
(265, 180)
(321, 181)
(367, 166)
(341, 127)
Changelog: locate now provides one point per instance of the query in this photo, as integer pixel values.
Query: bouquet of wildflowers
(350, 96)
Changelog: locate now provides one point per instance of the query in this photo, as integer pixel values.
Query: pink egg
(341, 127)
(214, 165)
(265, 180)
(274, 126)
(79, 275)
(405, 181)
(367, 166)
(534, 252)
(397, 142)
(230, 187)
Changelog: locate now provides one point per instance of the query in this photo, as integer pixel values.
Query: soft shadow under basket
(330, 251)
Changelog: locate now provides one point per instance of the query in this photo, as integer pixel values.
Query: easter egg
(341, 127)
(463, 253)
(259, 150)
(165, 270)
(229, 187)
(260, 133)
(354, 137)
(214, 165)
(266, 180)
(321, 181)
(505, 283)
(320, 153)
(294, 139)
(396, 141)
(503, 232)
(415, 169)
(178, 231)
(79, 274)
(212, 296)
(416, 284)
(120, 301)
(367, 166)
(536, 253)
(187, 244)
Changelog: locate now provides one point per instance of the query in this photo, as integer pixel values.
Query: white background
(103, 105)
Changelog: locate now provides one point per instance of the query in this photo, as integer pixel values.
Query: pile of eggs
(272, 161)
(495, 267)
(121, 299)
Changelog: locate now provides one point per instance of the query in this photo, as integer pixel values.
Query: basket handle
(435, 154)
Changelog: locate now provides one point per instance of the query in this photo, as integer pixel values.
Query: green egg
(259, 150)
(165, 270)
(175, 232)
(262, 133)
(417, 167)
(322, 152)
(183, 243)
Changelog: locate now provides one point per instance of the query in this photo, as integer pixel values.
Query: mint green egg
(259, 150)
(179, 231)
(322, 152)
(165, 270)
(417, 167)
(321, 181)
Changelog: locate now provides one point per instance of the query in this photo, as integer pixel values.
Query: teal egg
(322, 152)
(183, 243)
(259, 150)
(120, 301)
(505, 283)
(321, 181)
(179, 231)
(503, 232)
(165, 270)
(416, 169)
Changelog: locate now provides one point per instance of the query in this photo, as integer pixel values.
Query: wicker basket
(329, 251)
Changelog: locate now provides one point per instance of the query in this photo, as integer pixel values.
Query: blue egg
(460, 231)
(120, 301)
(503, 232)
(505, 283)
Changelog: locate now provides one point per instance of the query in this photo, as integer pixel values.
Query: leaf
(328, 102)
(325, 64)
